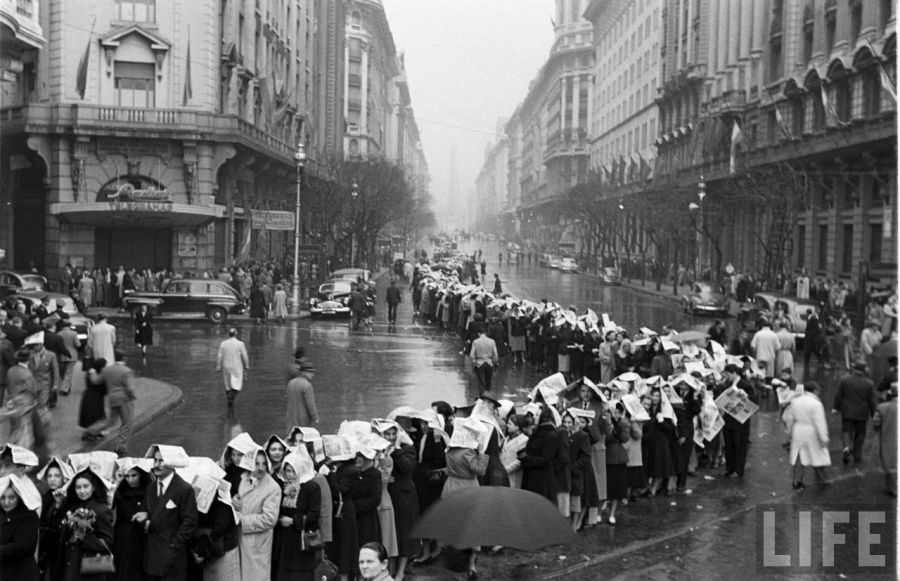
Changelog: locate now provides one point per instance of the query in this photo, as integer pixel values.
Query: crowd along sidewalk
(154, 398)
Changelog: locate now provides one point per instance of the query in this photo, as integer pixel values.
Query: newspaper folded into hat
(126, 464)
(173, 456)
(101, 462)
(64, 467)
(21, 456)
(24, 489)
(338, 448)
(469, 433)
(549, 387)
(595, 388)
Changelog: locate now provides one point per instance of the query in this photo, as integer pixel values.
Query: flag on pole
(831, 116)
(782, 126)
(886, 82)
(188, 89)
(738, 139)
(81, 75)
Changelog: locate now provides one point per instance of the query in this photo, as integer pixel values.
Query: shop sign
(271, 220)
(127, 192)
(140, 206)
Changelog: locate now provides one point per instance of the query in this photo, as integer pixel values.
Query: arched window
(814, 86)
(869, 105)
(841, 91)
(355, 19)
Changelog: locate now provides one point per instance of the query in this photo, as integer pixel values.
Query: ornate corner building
(144, 132)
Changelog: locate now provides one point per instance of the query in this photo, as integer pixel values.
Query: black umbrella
(495, 515)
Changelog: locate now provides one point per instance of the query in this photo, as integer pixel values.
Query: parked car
(702, 298)
(332, 299)
(212, 299)
(568, 265)
(610, 275)
(33, 288)
(545, 260)
(765, 304)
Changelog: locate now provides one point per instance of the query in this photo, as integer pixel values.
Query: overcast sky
(468, 63)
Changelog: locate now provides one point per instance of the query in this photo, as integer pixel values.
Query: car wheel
(217, 315)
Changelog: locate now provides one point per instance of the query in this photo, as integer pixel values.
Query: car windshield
(34, 282)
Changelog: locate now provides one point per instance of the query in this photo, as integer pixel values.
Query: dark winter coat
(542, 455)
(18, 543)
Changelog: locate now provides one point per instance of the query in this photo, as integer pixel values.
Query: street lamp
(300, 158)
(354, 194)
(694, 207)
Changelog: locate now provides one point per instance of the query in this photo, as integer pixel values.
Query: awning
(136, 214)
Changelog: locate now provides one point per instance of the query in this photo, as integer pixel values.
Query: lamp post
(354, 194)
(300, 158)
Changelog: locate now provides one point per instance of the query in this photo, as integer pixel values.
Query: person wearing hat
(736, 434)
(258, 501)
(808, 429)
(69, 356)
(583, 486)
(301, 407)
(855, 402)
(170, 516)
(300, 511)
(20, 503)
(232, 361)
(88, 492)
(128, 536)
(45, 369)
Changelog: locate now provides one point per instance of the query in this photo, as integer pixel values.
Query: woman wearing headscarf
(344, 548)
(403, 495)
(20, 504)
(465, 463)
(661, 363)
(276, 451)
(637, 479)
(590, 399)
(366, 495)
(430, 472)
(88, 492)
(540, 457)
(129, 536)
(214, 548)
(54, 475)
(232, 456)
(279, 303)
(656, 449)
(258, 500)
(617, 460)
(300, 510)
(583, 487)
(386, 516)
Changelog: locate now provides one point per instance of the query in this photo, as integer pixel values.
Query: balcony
(102, 120)
(22, 19)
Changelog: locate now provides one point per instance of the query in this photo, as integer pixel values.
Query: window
(875, 244)
(818, 109)
(355, 19)
(808, 27)
(136, 10)
(855, 19)
(871, 91)
(822, 258)
(801, 246)
(847, 249)
(798, 115)
(843, 99)
(830, 25)
(135, 84)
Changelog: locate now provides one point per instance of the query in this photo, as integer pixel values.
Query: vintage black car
(32, 289)
(212, 299)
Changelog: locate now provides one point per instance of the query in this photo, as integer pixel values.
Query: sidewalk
(154, 398)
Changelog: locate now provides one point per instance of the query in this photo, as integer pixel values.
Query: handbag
(98, 564)
(310, 540)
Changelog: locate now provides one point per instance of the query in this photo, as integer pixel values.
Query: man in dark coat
(7, 362)
(812, 341)
(855, 401)
(542, 454)
(737, 435)
(170, 520)
(357, 308)
(392, 299)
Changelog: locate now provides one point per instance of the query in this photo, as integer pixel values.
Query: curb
(172, 400)
(643, 289)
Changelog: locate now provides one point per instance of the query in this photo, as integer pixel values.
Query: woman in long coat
(54, 475)
(87, 491)
(279, 303)
(257, 304)
(404, 499)
(258, 500)
(656, 444)
(19, 523)
(429, 475)
(386, 516)
(589, 399)
(143, 328)
(808, 427)
(784, 358)
(366, 497)
(344, 548)
(128, 536)
(885, 423)
(540, 458)
(300, 510)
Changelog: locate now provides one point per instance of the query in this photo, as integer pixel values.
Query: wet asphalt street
(708, 534)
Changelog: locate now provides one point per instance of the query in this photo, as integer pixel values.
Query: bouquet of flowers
(81, 521)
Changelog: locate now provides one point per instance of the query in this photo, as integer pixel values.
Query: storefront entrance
(133, 247)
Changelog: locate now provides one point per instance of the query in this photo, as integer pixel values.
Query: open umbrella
(689, 336)
(495, 515)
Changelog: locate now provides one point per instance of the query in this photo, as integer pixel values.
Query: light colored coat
(259, 514)
(765, 346)
(279, 301)
(886, 423)
(805, 421)
(787, 346)
(101, 341)
(232, 360)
